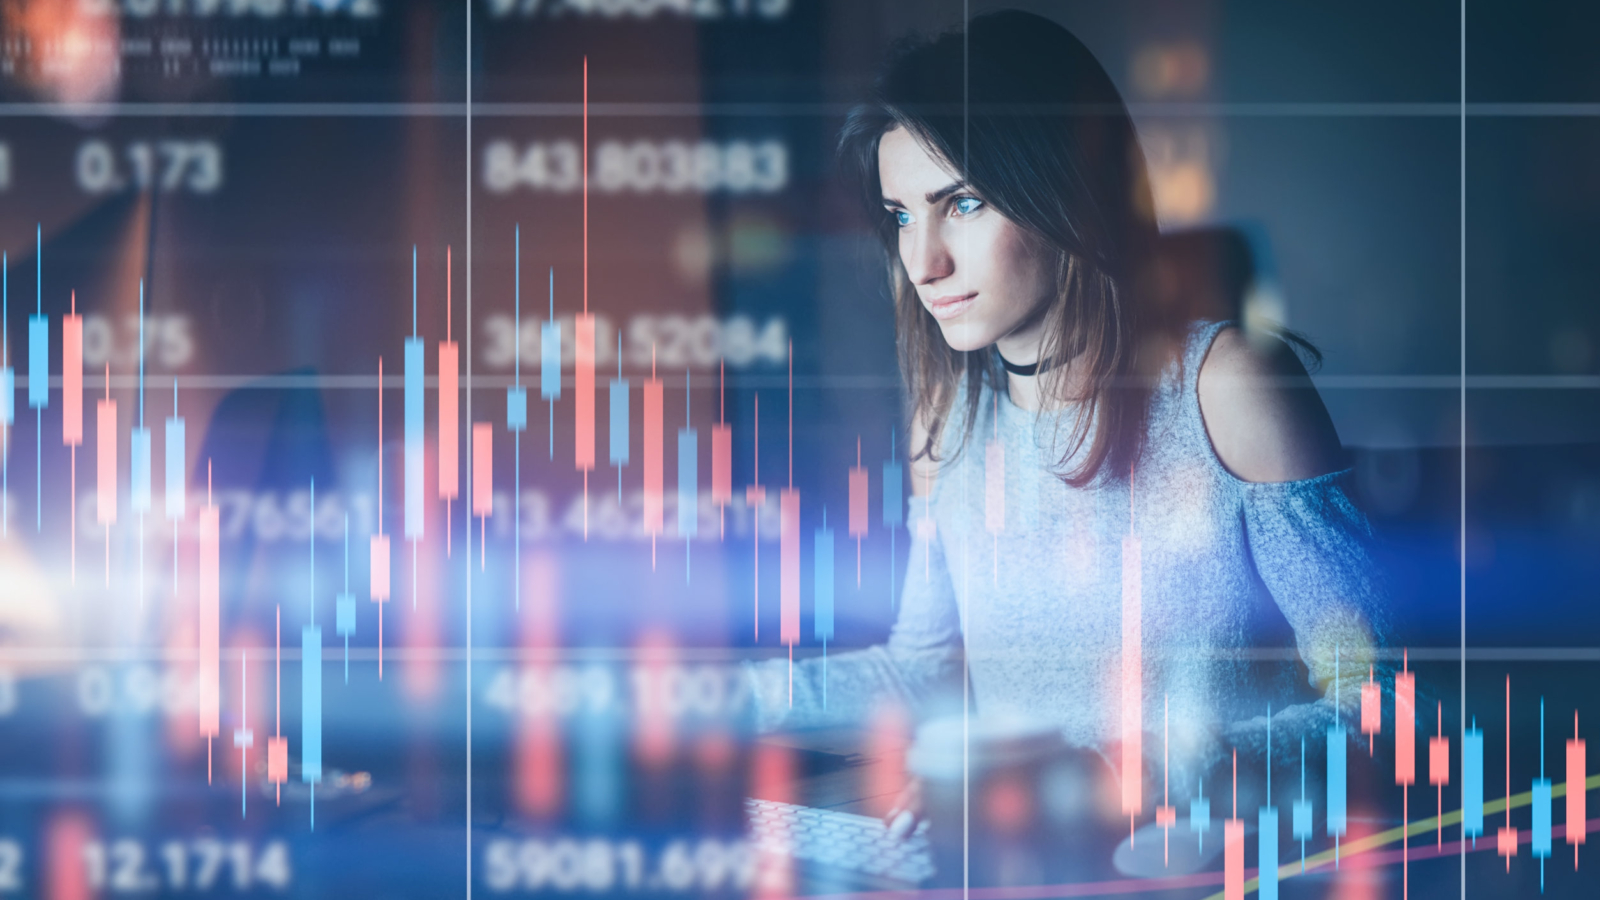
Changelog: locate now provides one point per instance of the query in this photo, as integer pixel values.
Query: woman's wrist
(766, 697)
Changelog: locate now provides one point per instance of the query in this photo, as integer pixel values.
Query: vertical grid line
(966, 598)
(467, 557)
(1462, 412)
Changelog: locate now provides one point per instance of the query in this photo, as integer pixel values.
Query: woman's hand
(906, 813)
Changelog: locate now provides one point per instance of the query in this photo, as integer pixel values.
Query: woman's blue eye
(968, 205)
(902, 218)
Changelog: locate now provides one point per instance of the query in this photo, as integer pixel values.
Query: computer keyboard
(839, 840)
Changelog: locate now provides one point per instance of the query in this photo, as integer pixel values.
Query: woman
(1010, 194)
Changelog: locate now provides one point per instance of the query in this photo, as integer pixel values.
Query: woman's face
(975, 270)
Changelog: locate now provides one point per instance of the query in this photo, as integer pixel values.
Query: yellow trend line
(1393, 835)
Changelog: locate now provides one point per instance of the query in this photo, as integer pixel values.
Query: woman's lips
(949, 307)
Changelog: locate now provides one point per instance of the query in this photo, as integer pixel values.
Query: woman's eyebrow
(935, 196)
(931, 197)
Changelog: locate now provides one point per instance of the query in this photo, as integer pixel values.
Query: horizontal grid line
(496, 382)
(591, 654)
(1331, 109)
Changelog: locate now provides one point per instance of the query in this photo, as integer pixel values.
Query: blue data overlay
(1170, 387)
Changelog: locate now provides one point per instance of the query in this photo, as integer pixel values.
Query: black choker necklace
(1026, 371)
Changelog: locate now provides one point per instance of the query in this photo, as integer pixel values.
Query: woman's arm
(1310, 543)
(917, 668)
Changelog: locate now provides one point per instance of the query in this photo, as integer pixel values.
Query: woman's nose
(928, 258)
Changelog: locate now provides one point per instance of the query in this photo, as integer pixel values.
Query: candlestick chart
(528, 361)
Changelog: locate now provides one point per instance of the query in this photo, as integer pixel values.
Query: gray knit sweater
(1248, 591)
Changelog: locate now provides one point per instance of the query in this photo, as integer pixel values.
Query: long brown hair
(1028, 118)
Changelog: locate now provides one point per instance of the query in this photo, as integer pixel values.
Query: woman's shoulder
(1262, 414)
